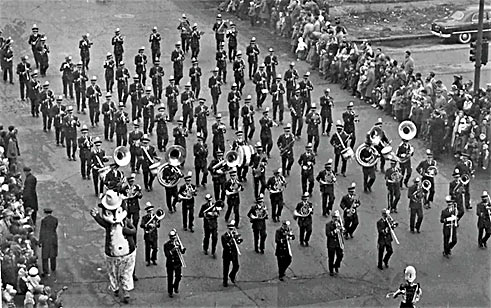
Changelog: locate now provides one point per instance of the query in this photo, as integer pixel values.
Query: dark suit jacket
(29, 195)
(48, 237)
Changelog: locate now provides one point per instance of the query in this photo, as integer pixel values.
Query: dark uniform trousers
(327, 193)
(307, 176)
(151, 249)
(297, 125)
(406, 172)
(219, 189)
(210, 230)
(413, 223)
(394, 194)
(197, 171)
(350, 223)
(171, 197)
(338, 156)
(233, 203)
(276, 204)
(449, 243)
(259, 232)
(52, 262)
(287, 162)
(71, 145)
(335, 256)
(387, 247)
(284, 262)
(305, 226)
(188, 213)
(174, 275)
(368, 177)
(85, 156)
(98, 184)
(148, 177)
(226, 268)
(259, 180)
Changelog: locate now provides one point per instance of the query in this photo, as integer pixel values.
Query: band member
(180, 133)
(296, 107)
(384, 141)
(194, 41)
(283, 252)
(70, 124)
(428, 170)
(98, 158)
(114, 179)
(230, 244)
(404, 152)
(195, 77)
(93, 93)
(335, 243)
(80, 81)
(307, 162)
(156, 73)
(340, 141)
(200, 151)
(466, 168)
(23, 70)
(252, 52)
(141, 65)
(171, 193)
(313, 119)
(233, 100)
(221, 58)
(34, 38)
(162, 131)
(327, 179)
(121, 118)
(385, 226)
(260, 79)
(290, 77)
(173, 251)
(184, 28)
(187, 192)
(118, 41)
(108, 112)
(150, 224)
(149, 157)
(266, 136)
(135, 92)
(369, 175)
(84, 45)
(271, 61)
(392, 181)
(232, 189)
(147, 104)
(276, 185)
(214, 83)
(154, 41)
(277, 92)
(58, 112)
(85, 145)
(172, 92)
(47, 98)
(483, 212)
(7, 54)
(258, 163)
(177, 57)
(201, 112)
(349, 203)
(244, 168)
(327, 103)
(133, 196)
(247, 114)
(187, 101)
(217, 168)
(349, 119)
(210, 212)
(239, 71)
(34, 92)
(67, 68)
(218, 130)
(416, 196)
(285, 145)
(456, 189)
(303, 214)
(449, 218)
(219, 27)
(411, 291)
(109, 66)
(43, 52)
(232, 35)
(122, 76)
(134, 139)
(306, 88)
(258, 214)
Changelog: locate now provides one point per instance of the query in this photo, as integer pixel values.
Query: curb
(397, 38)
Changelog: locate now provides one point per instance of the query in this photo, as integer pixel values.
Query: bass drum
(245, 154)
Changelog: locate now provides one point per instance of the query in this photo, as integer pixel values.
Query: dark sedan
(462, 25)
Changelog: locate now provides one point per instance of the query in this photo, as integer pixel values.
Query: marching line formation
(119, 209)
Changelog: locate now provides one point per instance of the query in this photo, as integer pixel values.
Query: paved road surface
(461, 281)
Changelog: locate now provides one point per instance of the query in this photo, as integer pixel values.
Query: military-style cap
(189, 175)
(305, 195)
(352, 187)
(145, 138)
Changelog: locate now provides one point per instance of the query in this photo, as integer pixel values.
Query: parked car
(462, 25)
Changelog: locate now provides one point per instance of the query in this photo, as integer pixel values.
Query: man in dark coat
(30, 197)
(48, 240)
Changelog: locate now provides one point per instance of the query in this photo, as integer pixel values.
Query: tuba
(465, 179)
(169, 173)
(232, 159)
(366, 155)
(426, 185)
(407, 130)
(122, 156)
(175, 155)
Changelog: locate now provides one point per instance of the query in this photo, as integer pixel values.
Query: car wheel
(465, 38)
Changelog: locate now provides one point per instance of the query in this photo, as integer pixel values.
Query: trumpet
(179, 248)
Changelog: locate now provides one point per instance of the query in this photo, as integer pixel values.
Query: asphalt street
(462, 280)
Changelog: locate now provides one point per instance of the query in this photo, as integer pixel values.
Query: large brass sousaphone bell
(169, 173)
(175, 155)
(407, 130)
(233, 159)
(122, 156)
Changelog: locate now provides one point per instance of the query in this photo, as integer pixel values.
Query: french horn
(407, 130)
(122, 156)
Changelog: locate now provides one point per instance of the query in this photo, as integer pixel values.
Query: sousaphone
(407, 130)
(169, 173)
(122, 156)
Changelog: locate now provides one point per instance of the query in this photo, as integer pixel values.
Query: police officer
(67, 76)
(147, 104)
(122, 76)
(233, 100)
(449, 219)
(195, 77)
(247, 114)
(290, 77)
(392, 181)
(232, 189)
(177, 57)
(327, 103)
(313, 119)
(154, 41)
(121, 118)
(296, 106)
(98, 158)
(303, 214)
(416, 194)
(327, 179)
(285, 145)
(258, 214)
(187, 101)
(151, 235)
(109, 66)
(277, 91)
(384, 241)
(230, 243)
(162, 131)
(209, 212)
(276, 184)
(307, 162)
(349, 119)
(108, 110)
(84, 45)
(214, 84)
(156, 73)
(134, 139)
(217, 168)
(172, 92)
(265, 133)
(349, 203)
(85, 145)
(70, 124)
(252, 52)
(335, 243)
(200, 151)
(135, 91)
(221, 58)
(483, 212)
(80, 82)
(92, 94)
(218, 130)
(239, 68)
(23, 70)
(141, 65)
(283, 251)
(173, 251)
(187, 192)
(118, 41)
(201, 112)
(149, 156)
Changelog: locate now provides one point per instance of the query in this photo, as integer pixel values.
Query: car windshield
(457, 15)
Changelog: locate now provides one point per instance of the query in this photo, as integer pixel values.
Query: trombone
(179, 248)
(392, 224)
(158, 216)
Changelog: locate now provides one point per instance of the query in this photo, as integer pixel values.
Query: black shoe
(74, 159)
(306, 244)
(261, 251)
(148, 263)
(225, 284)
(191, 230)
(256, 250)
(412, 231)
(232, 279)
(116, 293)
(351, 235)
(135, 278)
(171, 295)
(205, 252)
(336, 269)
(214, 255)
(386, 264)
(445, 255)
(69, 158)
(485, 245)
(176, 290)
(282, 278)
(380, 267)
(185, 229)
(154, 262)
(417, 230)
(331, 273)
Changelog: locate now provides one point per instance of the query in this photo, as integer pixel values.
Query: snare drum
(347, 153)
(386, 151)
(245, 154)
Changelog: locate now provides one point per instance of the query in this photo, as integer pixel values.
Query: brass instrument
(260, 213)
(88, 143)
(213, 209)
(279, 184)
(236, 187)
(288, 233)
(354, 205)
(396, 176)
(366, 155)
(465, 179)
(286, 149)
(339, 231)
(220, 166)
(453, 219)
(232, 159)
(431, 171)
(237, 240)
(419, 194)
(305, 210)
(122, 156)
(407, 130)
(133, 191)
(158, 216)
(426, 185)
(179, 248)
(328, 179)
(189, 193)
(261, 168)
(375, 137)
(392, 224)
(169, 175)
